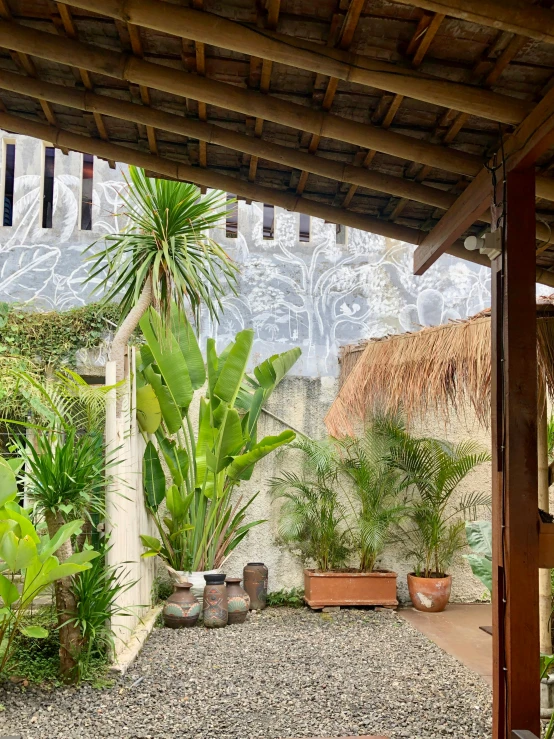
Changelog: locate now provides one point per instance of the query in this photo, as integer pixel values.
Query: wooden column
(516, 699)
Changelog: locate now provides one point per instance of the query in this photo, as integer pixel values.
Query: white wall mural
(318, 295)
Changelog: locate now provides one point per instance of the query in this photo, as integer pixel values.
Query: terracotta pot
(181, 609)
(430, 594)
(255, 584)
(238, 601)
(349, 588)
(215, 610)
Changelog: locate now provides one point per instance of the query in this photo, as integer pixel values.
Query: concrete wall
(317, 295)
(303, 402)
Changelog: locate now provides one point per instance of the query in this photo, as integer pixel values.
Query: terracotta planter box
(349, 588)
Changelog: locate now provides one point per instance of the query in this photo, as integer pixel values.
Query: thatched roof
(438, 369)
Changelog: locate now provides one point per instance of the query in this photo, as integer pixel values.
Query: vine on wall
(50, 339)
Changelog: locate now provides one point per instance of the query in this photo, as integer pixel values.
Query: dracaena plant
(22, 549)
(209, 456)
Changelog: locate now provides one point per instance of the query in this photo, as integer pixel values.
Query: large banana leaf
(175, 457)
(170, 411)
(186, 338)
(232, 372)
(243, 465)
(149, 414)
(153, 476)
(270, 372)
(169, 359)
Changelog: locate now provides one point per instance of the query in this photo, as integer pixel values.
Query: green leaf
(151, 542)
(186, 338)
(175, 457)
(243, 465)
(479, 537)
(8, 592)
(170, 411)
(8, 482)
(67, 569)
(65, 532)
(80, 558)
(169, 358)
(232, 373)
(481, 568)
(34, 632)
(149, 414)
(230, 439)
(154, 478)
(177, 503)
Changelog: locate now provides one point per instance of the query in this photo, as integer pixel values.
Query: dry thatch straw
(439, 369)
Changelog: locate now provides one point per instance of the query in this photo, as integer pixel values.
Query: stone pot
(430, 594)
(238, 601)
(255, 584)
(181, 609)
(215, 611)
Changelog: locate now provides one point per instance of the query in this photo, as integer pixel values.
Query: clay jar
(215, 601)
(430, 594)
(238, 601)
(181, 609)
(255, 584)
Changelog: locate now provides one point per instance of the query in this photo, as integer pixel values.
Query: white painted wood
(126, 513)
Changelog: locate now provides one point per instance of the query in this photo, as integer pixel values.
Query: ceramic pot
(195, 578)
(181, 609)
(238, 601)
(430, 594)
(255, 584)
(215, 611)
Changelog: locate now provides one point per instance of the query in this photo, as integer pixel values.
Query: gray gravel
(282, 674)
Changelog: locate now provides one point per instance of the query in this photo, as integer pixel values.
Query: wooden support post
(516, 690)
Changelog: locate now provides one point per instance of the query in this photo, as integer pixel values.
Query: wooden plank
(515, 16)
(521, 149)
(223, 33)
(515, 475)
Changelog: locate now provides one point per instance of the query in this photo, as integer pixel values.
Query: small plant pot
(323, 589)
(429, 594)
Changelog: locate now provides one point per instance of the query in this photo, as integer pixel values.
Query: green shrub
(293, 598)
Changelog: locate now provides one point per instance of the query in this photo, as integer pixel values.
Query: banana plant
(208, 459)
(22, 549)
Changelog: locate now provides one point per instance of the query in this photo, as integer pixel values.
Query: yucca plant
(312, 517)
(431, 472)
(165, 255)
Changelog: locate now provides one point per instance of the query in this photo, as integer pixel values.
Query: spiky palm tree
(165, 255)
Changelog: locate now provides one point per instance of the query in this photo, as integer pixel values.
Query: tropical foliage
(204, 522)
(313, 519)
(431, 471)
(479, 538)
(376, 487)
(22, 549)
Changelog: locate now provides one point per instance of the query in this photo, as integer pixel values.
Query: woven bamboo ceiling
(375, 114)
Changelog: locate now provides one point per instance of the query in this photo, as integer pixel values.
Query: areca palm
(165, 255)
(377, 488)
(433, 469)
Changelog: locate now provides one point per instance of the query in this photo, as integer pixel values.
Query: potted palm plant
(432, 470)
(344, 503)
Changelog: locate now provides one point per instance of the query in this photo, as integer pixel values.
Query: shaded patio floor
(456, 630)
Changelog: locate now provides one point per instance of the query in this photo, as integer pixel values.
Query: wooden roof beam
(212, 179)
(534, 136)
(249, 102)
(515, 16)
(188, 23)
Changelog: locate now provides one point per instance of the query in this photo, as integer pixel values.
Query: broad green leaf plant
(207, 458)
(22, 549)
(479, 538)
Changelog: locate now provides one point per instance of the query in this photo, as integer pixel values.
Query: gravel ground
(283, 674)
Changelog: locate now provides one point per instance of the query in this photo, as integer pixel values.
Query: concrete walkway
(456, 630)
